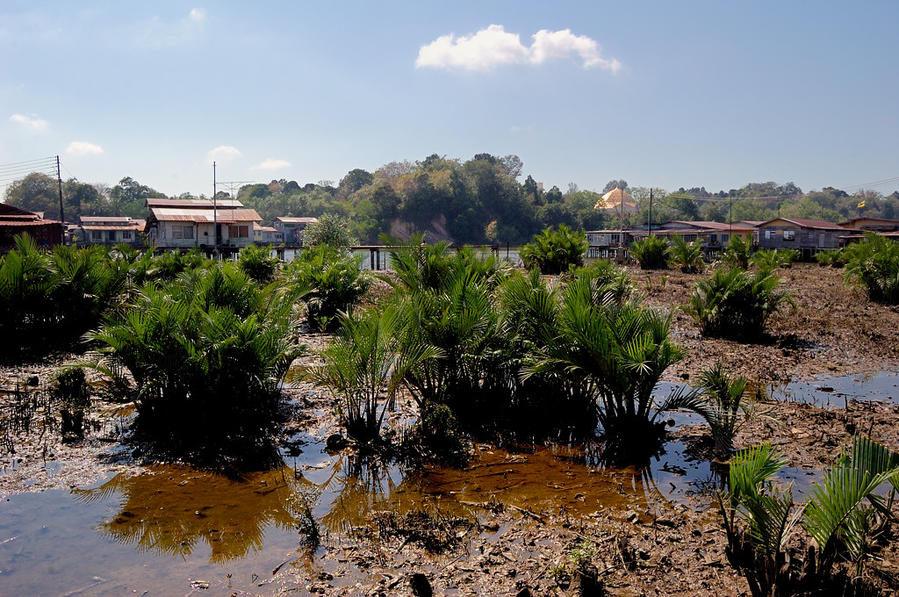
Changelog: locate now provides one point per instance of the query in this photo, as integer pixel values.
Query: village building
(291, 229)
(872, 224)
(109, 231)
(806, 236)
(267, 235)
(188, 223)
(607, 244)
(15, 221)
(618, 202)
(712, 236)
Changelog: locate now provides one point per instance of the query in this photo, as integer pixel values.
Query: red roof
(22, 223)
(723, 226)
(804, 223)
(12, 211)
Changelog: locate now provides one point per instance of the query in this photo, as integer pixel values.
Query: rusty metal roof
(229, 216)
(22, 223)
(102, 227)
(194, 203)
(110, 220)
(293, 220)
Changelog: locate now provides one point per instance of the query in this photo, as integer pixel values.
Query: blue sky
(659, 93)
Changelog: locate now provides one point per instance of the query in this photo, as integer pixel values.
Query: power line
(24, 171)
(47, 159)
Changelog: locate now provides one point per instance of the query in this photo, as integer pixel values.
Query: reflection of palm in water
(563, 478)
(360, 486)
(173, 508)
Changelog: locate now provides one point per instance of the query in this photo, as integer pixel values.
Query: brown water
(176, 530)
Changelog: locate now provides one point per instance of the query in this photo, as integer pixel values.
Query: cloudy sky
(666, 94)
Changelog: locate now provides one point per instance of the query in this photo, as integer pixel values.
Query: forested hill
(480, 200)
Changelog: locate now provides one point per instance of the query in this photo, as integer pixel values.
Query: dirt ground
(833, 329)
(666, 549)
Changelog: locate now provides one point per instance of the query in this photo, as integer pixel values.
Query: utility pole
(650, 211)
(730, 215)
(215, 218)
(62, 215)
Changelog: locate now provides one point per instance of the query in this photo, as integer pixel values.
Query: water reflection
(839, 391)
(561, 479)
(173, 509)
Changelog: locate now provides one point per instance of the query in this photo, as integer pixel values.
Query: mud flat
(94, 518)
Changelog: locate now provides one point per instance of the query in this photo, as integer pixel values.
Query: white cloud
(494, 46)
(78, 148)
(160, 33)
(222, 153)
(32, 122)
(271, 164)
(549, 45)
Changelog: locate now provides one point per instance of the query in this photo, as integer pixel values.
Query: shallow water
(159, 532)
(840, 391)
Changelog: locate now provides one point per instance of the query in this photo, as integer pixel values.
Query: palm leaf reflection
(173, 509)
(573, 479)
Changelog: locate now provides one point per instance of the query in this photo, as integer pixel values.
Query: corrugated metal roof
(298, 220)
(22, 223)
(710, 225)
(194, 203)
(109, 219)
(170, 214)
(101, 227)
(804, 223)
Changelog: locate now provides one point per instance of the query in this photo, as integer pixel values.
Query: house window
(239, 231)
(97, 235)
(769, 235)
(789, 235)
(689, 238)
(126, 235)
(183, 232)
(724, 238)
(110, 236)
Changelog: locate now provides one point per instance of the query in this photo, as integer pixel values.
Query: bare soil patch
(834, 329)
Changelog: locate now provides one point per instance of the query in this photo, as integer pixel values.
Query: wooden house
(806, 236)
(291, 229)
(15, 221)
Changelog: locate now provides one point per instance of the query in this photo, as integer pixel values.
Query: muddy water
(176, 530)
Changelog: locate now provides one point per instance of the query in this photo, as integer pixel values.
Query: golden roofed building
(617, 200)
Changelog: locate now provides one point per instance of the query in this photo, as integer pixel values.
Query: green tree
(615, 184)
(330, 231)
(128, 198)
(35, 192)
(354, 180)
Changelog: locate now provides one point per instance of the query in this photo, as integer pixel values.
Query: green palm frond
(832, 517)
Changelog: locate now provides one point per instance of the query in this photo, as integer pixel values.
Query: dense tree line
(40, 193)
(481, 200)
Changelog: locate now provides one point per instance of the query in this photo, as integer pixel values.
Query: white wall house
(267, 235)
(195, 223)
(108, 230)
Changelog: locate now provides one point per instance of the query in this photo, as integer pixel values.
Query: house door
(218, 234)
